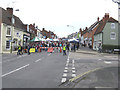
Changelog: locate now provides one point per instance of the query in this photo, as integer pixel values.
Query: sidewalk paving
(86, 50)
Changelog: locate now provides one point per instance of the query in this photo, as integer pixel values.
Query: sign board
(32, 50)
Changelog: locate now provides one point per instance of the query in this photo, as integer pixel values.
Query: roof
(7, 19)
(102, 24)
(92, 26)
(112, 20)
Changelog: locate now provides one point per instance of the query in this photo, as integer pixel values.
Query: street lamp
(72, 27)
(118, 1)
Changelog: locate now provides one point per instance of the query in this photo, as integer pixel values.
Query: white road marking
(73, 71)
(107, 62)
(63, 80)
(38, 60)
(99, 59)
(66, 67)
(73, 75)
(103, 87)
(68, 59)
(65, 70)
(64, 74)
(73, 61)
(15, 70)
(73, 67)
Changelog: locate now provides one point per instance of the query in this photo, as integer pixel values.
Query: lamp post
(72, 27)
(118, 1)
(13, 22)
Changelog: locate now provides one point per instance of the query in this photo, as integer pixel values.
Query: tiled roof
(102, 25)
(92, 26)
(6, 18)
(112, 20)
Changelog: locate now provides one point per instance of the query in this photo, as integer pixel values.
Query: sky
(55, 15)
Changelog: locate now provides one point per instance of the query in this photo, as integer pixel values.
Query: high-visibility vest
(19, 48)
(64, 48)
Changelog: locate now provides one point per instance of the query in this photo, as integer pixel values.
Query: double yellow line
(75, 78)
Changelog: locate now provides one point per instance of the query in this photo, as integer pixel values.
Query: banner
(32, 50)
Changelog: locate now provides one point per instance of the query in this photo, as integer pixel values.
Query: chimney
(86, 28)
(98, 19)
(103, 19)
(80, 30)
(106, 16)
(43, 29)
(34, 24)
(10, 10)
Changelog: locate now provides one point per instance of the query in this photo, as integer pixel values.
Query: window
(7, 45)
(112, 25)
(113, 35)
(8, 31)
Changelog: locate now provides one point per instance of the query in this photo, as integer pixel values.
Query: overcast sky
(55, 15)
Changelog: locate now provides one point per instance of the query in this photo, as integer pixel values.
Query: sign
(50, 49)
(32, 50)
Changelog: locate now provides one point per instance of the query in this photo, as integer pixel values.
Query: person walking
(19, 50)
(68, 45)
(74, 47)
(29, 49)
(64, 50)
(77, 46)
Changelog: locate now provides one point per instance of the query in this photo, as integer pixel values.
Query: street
(53, 70)
(38, 70)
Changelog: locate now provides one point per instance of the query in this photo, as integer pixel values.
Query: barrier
(50, 50)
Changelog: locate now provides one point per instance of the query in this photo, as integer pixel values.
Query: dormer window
(8, 31)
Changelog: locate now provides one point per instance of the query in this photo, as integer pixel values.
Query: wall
(106, 35)
(97, 40)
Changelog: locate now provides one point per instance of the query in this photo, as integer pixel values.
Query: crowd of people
(66, 46)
